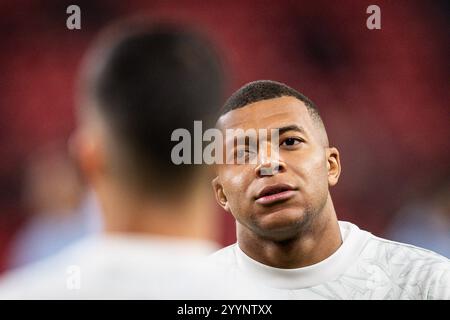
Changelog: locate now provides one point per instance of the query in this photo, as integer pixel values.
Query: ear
(221, 198)
(333, 166)
(85, 147)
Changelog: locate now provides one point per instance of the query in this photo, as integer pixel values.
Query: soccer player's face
(276, 205)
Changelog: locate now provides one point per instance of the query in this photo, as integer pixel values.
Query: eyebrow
(292, 127)
(281, 130)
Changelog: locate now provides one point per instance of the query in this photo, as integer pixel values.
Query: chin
(283, 224)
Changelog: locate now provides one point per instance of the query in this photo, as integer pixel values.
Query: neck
(190, 217)
(311, 246)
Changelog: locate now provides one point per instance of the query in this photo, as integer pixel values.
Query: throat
(305, 250)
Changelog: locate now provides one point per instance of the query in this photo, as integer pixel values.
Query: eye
(289, 142)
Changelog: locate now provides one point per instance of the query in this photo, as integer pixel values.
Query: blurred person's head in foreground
(138, 84)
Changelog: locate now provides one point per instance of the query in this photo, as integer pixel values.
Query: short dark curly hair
(267, 89)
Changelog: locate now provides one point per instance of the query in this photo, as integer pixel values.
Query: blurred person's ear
(333, 166)
(220, 194)
(86, 147)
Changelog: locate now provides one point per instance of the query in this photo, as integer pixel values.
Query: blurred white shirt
(120, 267)
(46, 234)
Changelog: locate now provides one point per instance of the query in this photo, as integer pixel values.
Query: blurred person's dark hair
(138, 84)
(144, 81)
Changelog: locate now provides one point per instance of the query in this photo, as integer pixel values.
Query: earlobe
(220, 195)
(333, 166)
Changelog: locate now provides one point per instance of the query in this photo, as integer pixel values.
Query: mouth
(275, 193)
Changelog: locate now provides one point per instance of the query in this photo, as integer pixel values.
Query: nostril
(269, 171)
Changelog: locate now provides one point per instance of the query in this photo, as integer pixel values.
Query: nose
(269, 167)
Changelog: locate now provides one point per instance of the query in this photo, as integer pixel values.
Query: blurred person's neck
(188, 216)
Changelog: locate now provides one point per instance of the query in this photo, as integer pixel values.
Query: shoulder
(225, 259)
(408, 254)
(39, 280)
(225, 255)
(54, 277)
(424, 272)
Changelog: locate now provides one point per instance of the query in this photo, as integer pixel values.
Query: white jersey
(120, 267)
(364, 267)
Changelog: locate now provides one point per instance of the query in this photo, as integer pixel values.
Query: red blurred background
(383, 94)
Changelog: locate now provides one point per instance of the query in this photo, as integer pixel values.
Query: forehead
(268, 114)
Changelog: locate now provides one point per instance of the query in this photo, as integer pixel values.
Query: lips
(275, 193)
